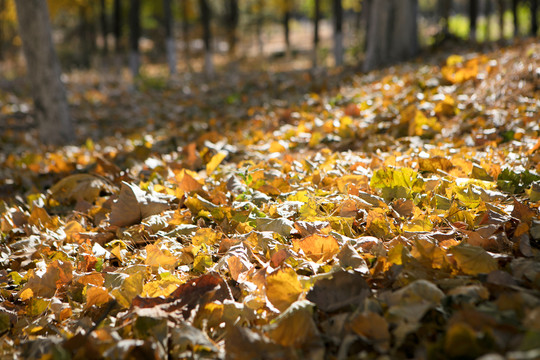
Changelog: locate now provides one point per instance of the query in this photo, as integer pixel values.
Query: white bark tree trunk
(50, 102)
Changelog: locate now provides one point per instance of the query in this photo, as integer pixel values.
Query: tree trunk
(185, 32)
(104, 27)
(445, 6)
(259, 26)
(516, 19)
(50, 103)
(338, 32)
(207, 38)
(316, 19)
(366, 8)
(2, 31)
(392, 32)
(117, 25)
(233, 14)
(169, 36)
(287, 30)
(501, 9)
(134, 35)
(473, 16)
(84, 37)
(534, 17)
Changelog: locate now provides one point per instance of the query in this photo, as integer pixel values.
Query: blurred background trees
(190, 35)
(143, 38)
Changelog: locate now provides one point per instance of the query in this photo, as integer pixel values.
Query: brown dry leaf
(78, 187)
(342, 290)
(349, 258)
(206, 288)
(187, 181)
(236, 266)
(307, 228)
(40, 218)
(283, 288)
(58, 274)
(373, 327)
(522, 212)
(318, 248)
(246, 344)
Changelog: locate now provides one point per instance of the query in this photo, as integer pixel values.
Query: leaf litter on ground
(394, 213)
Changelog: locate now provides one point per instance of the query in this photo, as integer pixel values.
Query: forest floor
(299, 214)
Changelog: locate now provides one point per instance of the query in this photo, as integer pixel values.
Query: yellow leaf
(202, 262)
(131, 287)
(283, 288)
(26, 294)
(162, 287)
(205, 236)
(155, 257)
(454, 60)
(395, 254)
(276, 146)
(214, 162)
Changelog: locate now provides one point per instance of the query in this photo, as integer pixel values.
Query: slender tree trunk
(316, 20)
(338, 32)
(534, 17)
(117, 25)
(2, 31)
(366, 5)
(473, 17)
(134, 35)
(501, 8)
(207, 38)
(84, 37)
(233, 14)
(287, 30)
(445, 6)
(104, 27)
(516, 19)
(259, 27)
(169, 36)
(50, 103)
(185, 32)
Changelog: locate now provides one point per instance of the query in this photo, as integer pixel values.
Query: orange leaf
(317, 247)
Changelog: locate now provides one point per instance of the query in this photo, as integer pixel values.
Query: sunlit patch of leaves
(394, 217)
